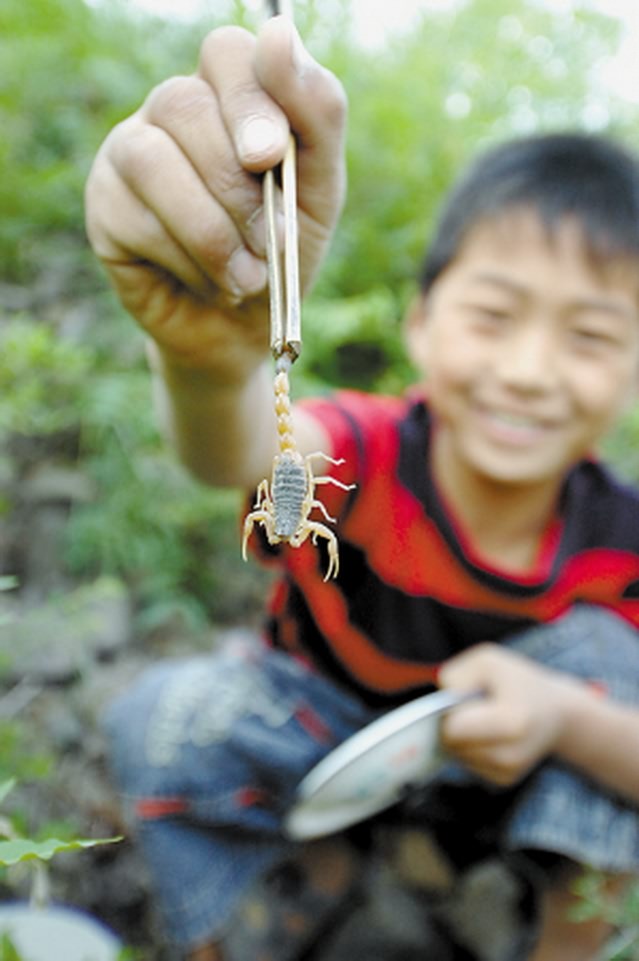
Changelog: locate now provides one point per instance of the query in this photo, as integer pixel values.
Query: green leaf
(8, 950)
(6, 787)
(13, 852)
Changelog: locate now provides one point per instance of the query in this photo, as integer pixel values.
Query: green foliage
(620, 912)
(23, 758)
(68, 73)
(16, 849)
(22, 849)
(42, 378)
(356, 344)
(20, 753)
(147, 523)
(8, 950)
(622, 445)
(6, 787)
(462, 77)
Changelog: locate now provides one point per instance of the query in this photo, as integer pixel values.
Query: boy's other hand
(519, 721)
(174, 201)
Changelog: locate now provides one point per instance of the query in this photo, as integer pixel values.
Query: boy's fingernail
(247, 274)
(256, 137)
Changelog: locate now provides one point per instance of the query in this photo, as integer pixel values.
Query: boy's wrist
(580, 704)
(227, 370)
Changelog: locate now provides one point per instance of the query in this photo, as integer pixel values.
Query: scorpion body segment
(289, 487)
(283, 507)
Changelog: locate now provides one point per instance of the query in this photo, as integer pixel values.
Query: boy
(481, 533)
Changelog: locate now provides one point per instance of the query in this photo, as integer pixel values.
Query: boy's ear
(416, 331)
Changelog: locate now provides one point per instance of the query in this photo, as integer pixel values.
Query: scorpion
(283, 508)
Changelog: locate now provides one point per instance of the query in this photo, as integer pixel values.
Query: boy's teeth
(514, 420)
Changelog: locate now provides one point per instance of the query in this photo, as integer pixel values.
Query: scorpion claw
(247, 533)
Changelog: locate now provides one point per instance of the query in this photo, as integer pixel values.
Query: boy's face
(529, 352)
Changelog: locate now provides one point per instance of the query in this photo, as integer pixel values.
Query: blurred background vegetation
(76, 422)
(73, 383)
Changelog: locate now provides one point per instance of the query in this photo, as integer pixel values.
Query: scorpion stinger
(284, 506)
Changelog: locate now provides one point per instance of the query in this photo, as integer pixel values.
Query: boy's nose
(529, 360)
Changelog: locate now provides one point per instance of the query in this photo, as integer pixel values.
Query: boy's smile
(530, 350)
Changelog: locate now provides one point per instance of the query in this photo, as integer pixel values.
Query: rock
(39, 556)
(54, 642)
(42, 491)
(490, 912)
(390, 923)
(15, 297)
(102, 612)
(51, 482)
(98, 688)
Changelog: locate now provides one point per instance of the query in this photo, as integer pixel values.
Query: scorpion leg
(263, 517)
(318, 504)
(262, 495)
(331, 460)
(333, 480)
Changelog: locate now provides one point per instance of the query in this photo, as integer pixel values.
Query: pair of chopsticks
(284, 286)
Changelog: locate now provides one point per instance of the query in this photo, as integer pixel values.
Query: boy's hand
(519, 722)
(174, 197)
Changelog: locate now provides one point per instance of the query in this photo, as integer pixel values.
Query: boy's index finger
(255, 123)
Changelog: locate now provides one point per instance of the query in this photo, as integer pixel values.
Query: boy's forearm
(222, 432)
(601, 738)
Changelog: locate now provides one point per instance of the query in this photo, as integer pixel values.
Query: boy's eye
(490, 315)
(594, 337)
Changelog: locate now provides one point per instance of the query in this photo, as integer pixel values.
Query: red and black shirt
(411, 591)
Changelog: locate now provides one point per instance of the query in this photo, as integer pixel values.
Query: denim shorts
(207, 752)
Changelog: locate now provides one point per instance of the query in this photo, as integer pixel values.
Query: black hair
(588, 177)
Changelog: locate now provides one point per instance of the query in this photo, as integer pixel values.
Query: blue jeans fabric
(208, 751)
